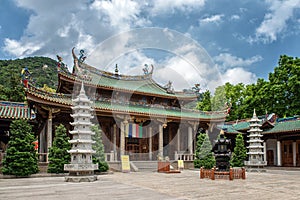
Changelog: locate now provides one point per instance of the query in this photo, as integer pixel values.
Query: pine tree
(200, 139)
(240, 152)
(58, 155)
(204, 156)
(98, 146)
(21, 157)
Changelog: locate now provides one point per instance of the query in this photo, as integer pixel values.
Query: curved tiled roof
(147, 86)
(241, 126)
(287, 126)
(134, 108)
(142, 84)
(12, 110)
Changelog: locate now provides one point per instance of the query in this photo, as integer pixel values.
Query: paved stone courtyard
(273, 184)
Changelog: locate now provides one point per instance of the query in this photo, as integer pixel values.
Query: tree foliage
(204, 156)
(205, 104)
(98, 146)
(239, 153)
(43, 71)
(279, 94)
(21, 157)
(58, 155)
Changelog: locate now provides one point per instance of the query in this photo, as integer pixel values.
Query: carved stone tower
(255, 148)
(81, 168)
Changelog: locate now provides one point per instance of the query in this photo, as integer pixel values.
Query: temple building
(280, 136)
(138, 117)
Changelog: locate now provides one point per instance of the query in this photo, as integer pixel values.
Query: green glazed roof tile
(11, 110)
(139, 109)
(241, 126)
(287, 126)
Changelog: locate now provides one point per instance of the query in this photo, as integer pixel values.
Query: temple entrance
(287, 155)
(137, 148)
(270, 157)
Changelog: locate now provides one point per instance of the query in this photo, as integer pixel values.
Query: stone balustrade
(184, 156)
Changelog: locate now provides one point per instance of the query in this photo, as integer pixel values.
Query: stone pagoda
(81, 168)
(255, 149)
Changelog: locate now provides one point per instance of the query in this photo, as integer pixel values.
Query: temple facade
(138, 117)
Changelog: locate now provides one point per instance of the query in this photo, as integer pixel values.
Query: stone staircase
(150, 166)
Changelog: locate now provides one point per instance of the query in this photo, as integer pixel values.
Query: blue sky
(243, 39)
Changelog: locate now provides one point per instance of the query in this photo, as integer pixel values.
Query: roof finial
(82, 88)
(254, 113)
(222, 132)
(116, 70)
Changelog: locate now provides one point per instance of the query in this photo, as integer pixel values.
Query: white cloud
(19, 49)
(275, 22)
(189, 64)
(227, 60)
(163, 6)
(235, 17)
(238, 75)
(122, 14)
(57, 26)
(212, 19)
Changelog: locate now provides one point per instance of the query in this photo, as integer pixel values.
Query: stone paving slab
(274, 184)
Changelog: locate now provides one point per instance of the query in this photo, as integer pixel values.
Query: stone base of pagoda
(81, 172)
(255, 166)
(78, 179)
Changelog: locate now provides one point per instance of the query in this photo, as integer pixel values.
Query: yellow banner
(125, 163)
(180, 164)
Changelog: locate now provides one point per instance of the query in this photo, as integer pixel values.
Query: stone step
(145, 165)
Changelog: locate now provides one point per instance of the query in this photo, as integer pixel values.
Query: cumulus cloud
(123, 14)
(238, 75)
(212, 19)
(226, 60)
(275, 20)
(57, 26)
(164, 6)
(186, 62)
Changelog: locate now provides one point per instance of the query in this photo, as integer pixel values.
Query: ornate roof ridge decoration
(12, 103)
(87, 73)
(80, 66)
(151, 82)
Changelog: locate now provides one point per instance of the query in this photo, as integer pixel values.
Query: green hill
(43, 71)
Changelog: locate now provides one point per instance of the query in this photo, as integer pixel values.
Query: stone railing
(184, 156)
(110, 157)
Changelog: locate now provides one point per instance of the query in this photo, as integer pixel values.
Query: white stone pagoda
(255, 148)
(81, 168)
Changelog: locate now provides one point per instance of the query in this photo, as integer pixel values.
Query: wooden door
(287, 153)
(270, 157)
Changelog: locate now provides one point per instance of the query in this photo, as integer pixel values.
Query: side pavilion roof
(14, 110)
(284, 127)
